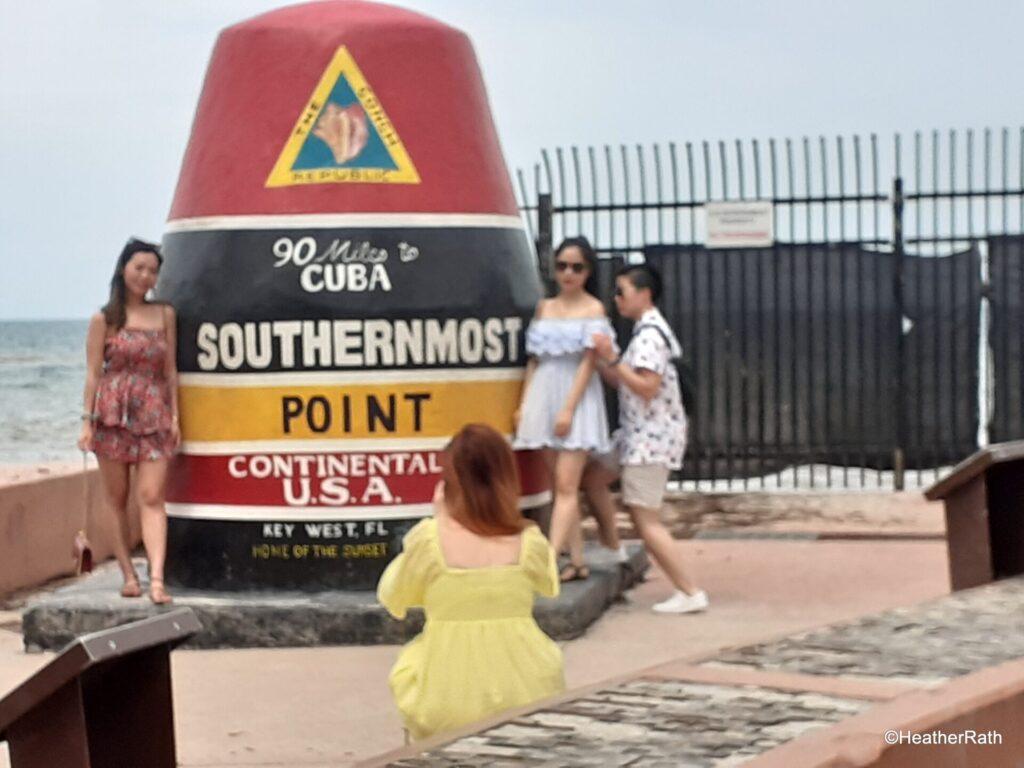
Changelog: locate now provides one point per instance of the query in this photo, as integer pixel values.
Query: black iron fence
(873, 339)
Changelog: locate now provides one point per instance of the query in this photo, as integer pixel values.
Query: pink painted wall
(38, 522)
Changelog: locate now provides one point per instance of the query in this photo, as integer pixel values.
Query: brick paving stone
(648, 723)
(948, 637)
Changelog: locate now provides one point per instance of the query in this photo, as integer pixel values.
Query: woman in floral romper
(130, 412)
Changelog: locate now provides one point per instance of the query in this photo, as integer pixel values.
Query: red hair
(481, 483)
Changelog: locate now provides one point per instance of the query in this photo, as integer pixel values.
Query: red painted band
(376, 478)
(262, 75)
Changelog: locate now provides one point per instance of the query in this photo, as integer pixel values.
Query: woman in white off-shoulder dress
(562, 407)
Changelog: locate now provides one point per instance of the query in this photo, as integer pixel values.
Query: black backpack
(684, 373)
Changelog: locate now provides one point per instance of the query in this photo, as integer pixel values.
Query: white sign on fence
(743, 224)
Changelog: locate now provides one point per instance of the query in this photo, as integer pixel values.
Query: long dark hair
(114, 310)
(589, 256)
(481, 483)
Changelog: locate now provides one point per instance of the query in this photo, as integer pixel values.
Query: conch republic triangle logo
(343, 135)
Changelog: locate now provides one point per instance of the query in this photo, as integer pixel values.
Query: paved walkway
(318, 707)
(808, 514)
(742, 703)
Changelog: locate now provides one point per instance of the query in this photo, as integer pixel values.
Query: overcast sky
(97, 97)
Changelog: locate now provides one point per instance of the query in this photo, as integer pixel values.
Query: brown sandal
(573, 572)
(157, 594)
(131, 587)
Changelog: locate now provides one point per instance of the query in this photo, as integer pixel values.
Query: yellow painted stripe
(231, 414)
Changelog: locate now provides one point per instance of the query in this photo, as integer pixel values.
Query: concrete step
(298, 619)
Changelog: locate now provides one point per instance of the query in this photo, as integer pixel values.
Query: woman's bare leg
(596, 479)
(575, 542)
(115, 477)
(565, 510)
(152, 483)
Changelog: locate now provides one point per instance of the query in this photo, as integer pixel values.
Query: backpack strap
(684, 374)
(668, 342)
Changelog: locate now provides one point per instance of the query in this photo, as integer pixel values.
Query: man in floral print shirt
(653, 430)
(652, 437)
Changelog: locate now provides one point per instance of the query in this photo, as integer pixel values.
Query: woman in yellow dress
(474, 568)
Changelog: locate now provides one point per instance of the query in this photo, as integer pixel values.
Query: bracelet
(612, 363)
(88, 417)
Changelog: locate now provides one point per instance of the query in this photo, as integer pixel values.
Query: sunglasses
(575, 266)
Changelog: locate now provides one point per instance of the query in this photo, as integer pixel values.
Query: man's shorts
(642, 485)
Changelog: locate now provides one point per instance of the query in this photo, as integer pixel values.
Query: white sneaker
(681, 602)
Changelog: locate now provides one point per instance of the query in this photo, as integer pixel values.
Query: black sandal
(573, 572)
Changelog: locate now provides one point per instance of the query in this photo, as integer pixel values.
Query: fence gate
(877, 337)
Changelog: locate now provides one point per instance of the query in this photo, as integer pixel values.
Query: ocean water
(42, 372)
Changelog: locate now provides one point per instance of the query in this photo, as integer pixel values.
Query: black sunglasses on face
(575, 266)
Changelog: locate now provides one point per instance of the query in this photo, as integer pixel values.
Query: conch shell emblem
(343, 130)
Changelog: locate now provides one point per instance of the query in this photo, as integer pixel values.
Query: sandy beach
(12, 474)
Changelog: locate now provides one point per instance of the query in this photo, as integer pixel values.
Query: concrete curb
(295, 619)
(818, 535)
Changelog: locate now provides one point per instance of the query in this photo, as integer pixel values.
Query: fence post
(545, 244)
(899, 401)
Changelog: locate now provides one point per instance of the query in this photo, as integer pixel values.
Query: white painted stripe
(534, 500)
(347, 220)
(247, 513)
(230, 448)
(233, 447)
(376, 376)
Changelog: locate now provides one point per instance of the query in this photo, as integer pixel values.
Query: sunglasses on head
(575, 266)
